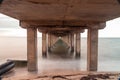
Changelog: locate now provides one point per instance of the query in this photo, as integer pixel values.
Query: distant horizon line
(41, 37)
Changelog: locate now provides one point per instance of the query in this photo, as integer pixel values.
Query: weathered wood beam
(32, 49)
(55, 23)
(92, 50)
(96, 26)
(93, 10)
(60, 31)
(47, 2)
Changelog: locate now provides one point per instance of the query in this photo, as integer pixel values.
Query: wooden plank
(32, 49)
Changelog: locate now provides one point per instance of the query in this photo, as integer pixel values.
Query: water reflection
(61, 63)
(61, 57)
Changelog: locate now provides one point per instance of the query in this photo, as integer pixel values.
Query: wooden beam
(32, 49)
(58, 23)
(92, 50)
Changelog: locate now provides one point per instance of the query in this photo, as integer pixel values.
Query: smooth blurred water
(108, 55)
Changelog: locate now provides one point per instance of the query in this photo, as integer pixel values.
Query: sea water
(108, 54)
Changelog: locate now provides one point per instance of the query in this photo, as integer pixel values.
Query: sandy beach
(23, 74)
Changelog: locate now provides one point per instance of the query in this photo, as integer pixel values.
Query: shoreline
(23, 74)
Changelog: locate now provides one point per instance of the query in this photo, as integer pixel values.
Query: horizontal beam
(60, 30)
(93, 10)
(43, 23)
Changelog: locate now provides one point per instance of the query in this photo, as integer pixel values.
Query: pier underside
(62, 19)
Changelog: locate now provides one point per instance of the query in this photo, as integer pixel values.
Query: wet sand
(57, 70)
(23, 74)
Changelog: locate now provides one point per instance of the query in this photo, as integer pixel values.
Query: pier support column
(78, 46)
(72, 42)
(44, 45)
(92, 50)
(49, 41)
(52, 39)
(69, 37)
(32, 49)
(66, 39)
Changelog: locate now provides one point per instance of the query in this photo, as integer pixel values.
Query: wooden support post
(52, 39)
(92, 50)
(32, 49)
(49, 42)
(69, 36)
(44, 45)
(72, 42)
(66, 39)
(78, 46)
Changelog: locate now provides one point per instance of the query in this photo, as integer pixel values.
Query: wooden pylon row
(73, 41)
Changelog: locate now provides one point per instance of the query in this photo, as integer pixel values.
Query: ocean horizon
(108, 54)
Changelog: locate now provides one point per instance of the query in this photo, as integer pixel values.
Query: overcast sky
(10, 27)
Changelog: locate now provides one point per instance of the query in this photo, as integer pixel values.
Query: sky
(9, 27)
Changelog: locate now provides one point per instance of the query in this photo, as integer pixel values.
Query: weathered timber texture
(49, 40)
(78, 45)
(64, 10)
(44, 45)
(72, 42)
(69, 25)
(66, 39)
(32, 49)
(92, 50)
